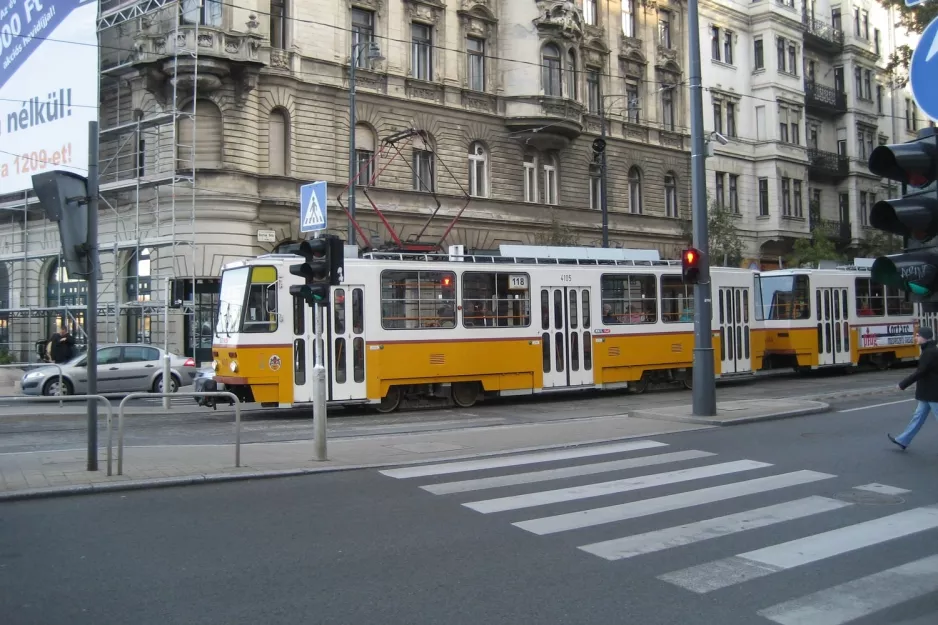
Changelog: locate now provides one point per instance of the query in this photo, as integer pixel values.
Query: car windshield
(231, 300)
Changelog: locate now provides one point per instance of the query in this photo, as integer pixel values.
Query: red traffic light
(690, 256)
(690, 265)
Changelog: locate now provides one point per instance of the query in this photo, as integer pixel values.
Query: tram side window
(496, 300)
(418, 300)
(896, 304)
(870, 298)
(629, 299)
(677, 300)
(785, 298)
(760, 313)
(260, 314)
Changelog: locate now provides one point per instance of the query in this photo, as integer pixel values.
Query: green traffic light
(884, 271)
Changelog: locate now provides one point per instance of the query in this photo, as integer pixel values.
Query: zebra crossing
(521, 487)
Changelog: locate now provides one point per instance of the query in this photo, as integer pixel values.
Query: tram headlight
(233, 366)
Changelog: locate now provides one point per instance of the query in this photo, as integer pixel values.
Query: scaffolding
(147, 192)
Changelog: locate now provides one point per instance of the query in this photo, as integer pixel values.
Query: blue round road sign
(923, 71)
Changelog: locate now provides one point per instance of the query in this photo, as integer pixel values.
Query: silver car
(122, 368)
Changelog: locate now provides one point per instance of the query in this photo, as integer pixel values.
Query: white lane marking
(744, 567)
(574, 493)
(882, 489)
(635, 509)
(858, 598)
(649, 542)
(890, 403)
(513, 461)
(556, 474)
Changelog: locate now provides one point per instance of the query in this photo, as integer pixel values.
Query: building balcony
(841, 232)
(821, 36)
(823, 99)
(546, 123)
(827, 166)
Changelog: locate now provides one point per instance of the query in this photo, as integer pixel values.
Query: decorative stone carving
(426, 10)
(468, 5)
(364, 80)
(478, 101)
(232, 44)
(593, 124)
(246, 81)
(560, 17)
(206, 40)
(252, 22)
(634, 132)
(373, 5)
(666, 55)
(671, 139)
(279, 59)
(567, 109)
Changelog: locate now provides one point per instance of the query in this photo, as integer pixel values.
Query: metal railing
(824, 97)
(100, 398)
(822, 31)
(120, 423)
(828, 163)
(32, 365)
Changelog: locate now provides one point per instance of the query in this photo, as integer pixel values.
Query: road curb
(49, 492)
(876, 390)
(775, 416)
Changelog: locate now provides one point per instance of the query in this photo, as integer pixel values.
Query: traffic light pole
(704, 383)
(91, 315)
(319, 386)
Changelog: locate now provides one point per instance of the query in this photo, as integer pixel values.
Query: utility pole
(352, 159)
(91, 315)
(704, 382)
(602, 173)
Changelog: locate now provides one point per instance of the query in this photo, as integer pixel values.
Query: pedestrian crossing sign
(313, 207)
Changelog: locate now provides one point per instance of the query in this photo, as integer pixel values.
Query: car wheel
(158, 385)
(51, 388)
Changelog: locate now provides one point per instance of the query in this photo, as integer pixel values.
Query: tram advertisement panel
(886, 335)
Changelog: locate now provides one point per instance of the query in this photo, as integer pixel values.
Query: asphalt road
(701, 537)
(187, 424)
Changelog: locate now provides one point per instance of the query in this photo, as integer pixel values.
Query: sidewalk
(52, 473)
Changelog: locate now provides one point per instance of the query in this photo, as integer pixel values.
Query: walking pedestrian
(925, 379)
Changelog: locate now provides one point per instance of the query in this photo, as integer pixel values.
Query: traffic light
(914, 216)
(690, 265)
(325, 262)
(63, 196)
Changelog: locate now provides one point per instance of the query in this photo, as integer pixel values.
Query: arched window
(364, 155)
(66, 294)
(424, 165)
(207, 143)
(670, 195)
(478, 171)
(530, 177)
(550, 180)
(572, 76)
(635, 191)
(138, 289)
(550, 62)
(278, 142)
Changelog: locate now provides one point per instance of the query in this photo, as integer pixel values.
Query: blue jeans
(918, 420)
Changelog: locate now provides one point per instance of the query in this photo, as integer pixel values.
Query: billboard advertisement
(887, 335)
(48, 87)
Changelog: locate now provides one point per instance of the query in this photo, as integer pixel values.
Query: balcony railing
(824, 98)
(840, 231)
(823, 164)
(821, 34)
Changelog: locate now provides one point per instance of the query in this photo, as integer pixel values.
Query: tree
(726, 246)
(877, 243)
(913, 20)
(557, 235)
(821, 246)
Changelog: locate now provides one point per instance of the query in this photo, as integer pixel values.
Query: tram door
(347, 343)
(833, 327)
(566, 336)
(303, 351)
(733, 314)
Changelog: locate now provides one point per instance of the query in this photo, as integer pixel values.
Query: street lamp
(373, 54)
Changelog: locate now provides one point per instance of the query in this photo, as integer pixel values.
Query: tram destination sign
(886, 335)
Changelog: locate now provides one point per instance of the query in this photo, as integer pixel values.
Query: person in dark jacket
(925, 379)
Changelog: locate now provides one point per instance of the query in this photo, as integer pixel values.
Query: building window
(277, 142)
(835, 19)
(364, 155)
(863, 208)
(715, 43)
(363, 28)
(730, 119)
(478, 171)
(667, 107)
(720, 179)
(783, 124)
(278, 24)
(734, 194)
(424, 166)
(593, 93)
(664, 28)
(635, 191)
(792, 59)
(879, 99)
(421, 50)
(530, 178)
(550, 181)
(628, 18)
(914, 116)
(670, 195)
(758, 54)
(856, 21)
(781, 54)
(550, 59)
(786, 197)
(718, 117)
(475, 57)
(861, 144)
(908, 114)
(763, 197)
(589, 12)
(634, 108)
(868, 84)
(572, 76)
(876, 47)
(207, 13)
(728, 47)
(798, 209)
(596, 193)
(858, 79)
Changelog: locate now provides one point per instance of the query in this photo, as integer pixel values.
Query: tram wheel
(391, 401)
(688, 382)
(465, 394)
(639, 386)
